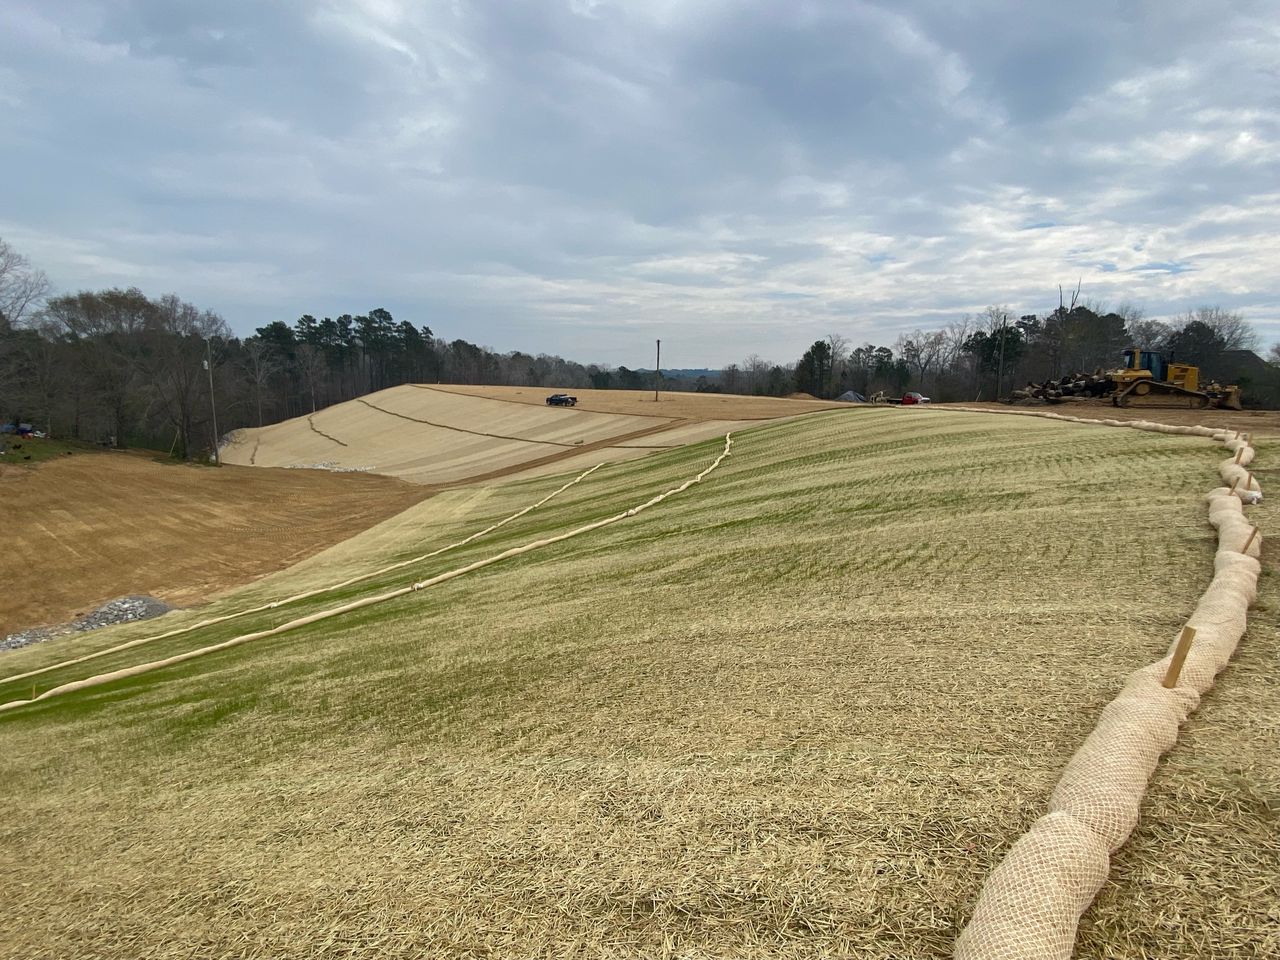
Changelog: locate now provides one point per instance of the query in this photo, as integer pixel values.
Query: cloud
(583, 176)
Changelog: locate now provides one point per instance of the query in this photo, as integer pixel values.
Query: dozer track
(1156, 393)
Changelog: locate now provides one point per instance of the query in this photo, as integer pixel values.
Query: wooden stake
(1234, 481)
(1248, 543)
(1248, 484)
(1179, 657)
(1239, 454)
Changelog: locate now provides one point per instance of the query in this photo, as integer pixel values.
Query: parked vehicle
(910, 398)
(561, 400)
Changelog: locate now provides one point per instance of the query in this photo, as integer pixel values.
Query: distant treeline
(985, 357)
(119, 367)
(122, 368)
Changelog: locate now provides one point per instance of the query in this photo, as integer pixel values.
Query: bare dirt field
(640, 403)
(87, 528)
(1260, 423)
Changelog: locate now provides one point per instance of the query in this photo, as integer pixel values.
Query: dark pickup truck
(561, 400)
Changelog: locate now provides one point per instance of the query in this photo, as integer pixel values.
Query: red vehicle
(910, 398)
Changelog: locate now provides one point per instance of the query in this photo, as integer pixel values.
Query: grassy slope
(802, 707)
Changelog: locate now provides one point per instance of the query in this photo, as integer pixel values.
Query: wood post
(1248, 484)
(1239, 454)
(1179, 657)
(1234, 481)
(1248, 543)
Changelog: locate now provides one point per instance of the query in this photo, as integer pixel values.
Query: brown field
(1260, 423)
(88, 528)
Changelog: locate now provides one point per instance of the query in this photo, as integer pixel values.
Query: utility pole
(657, 372)
(208, 365)
(1000, 371)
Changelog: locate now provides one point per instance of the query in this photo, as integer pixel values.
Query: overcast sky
(581, 177)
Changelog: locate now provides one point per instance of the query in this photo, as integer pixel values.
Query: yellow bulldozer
(1148, 380)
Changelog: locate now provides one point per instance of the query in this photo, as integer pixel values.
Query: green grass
(800, 709)
(28, 451)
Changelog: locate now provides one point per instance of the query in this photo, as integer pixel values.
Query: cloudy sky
(583, 176)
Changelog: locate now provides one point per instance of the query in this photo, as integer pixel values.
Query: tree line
(984, 357)
(122, 368)
(118, 367)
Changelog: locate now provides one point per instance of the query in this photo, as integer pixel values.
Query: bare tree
(22, 287)
(1148, 334)
(922, 352)
(756, 372)
(260, 365)
(106, 329)
(839, 357)
(311, 368)
(1236, 332)
(179, 334)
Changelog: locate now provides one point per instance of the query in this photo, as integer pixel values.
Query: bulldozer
(1148, 380)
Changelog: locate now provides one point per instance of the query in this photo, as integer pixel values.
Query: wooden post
(1239, 454)
(1234, 481)
(1179, 657)
(1248, 484)
(1248, 543)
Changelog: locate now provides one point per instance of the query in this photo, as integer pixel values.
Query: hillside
(451, 434)
(800, 708)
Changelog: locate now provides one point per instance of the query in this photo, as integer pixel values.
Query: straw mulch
(799, 711)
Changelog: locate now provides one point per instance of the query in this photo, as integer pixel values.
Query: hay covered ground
(799, 710)
(458, 434)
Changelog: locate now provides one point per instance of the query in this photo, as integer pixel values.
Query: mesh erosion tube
(1031, 905)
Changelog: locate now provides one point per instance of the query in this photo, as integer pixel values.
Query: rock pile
(122, 610)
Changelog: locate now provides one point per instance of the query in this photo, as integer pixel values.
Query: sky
(582, 177)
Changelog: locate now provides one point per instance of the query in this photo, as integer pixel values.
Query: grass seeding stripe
(370, 601)
(305, 595)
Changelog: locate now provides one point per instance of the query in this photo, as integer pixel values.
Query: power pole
(208, 365)
(657, 372)
(1000, 370)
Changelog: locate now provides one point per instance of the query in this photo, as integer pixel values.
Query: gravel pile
(330, 465)
(123, 610)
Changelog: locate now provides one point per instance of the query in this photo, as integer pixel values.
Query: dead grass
(801, 711)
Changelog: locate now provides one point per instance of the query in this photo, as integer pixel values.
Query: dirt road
(640, 403)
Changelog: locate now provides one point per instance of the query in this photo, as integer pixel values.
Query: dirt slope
(92, 527)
